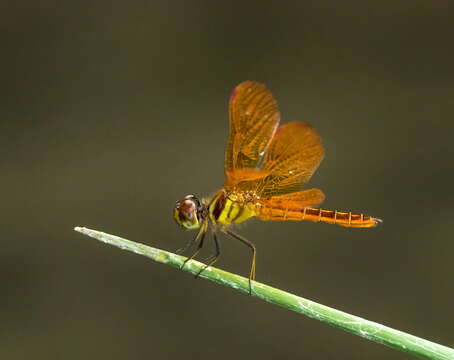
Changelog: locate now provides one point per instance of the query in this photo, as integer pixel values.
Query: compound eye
(188, 206)
(195, 200)
(185, 212)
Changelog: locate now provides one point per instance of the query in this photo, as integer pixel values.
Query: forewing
(253, 118)
(292, 157)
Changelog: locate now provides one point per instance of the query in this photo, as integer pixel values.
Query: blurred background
(111, 111)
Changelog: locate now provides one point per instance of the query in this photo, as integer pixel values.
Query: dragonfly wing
(308, 197)
(292, 157)
(253, 118)
(288, 203)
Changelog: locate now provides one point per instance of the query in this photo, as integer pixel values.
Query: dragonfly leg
(213, 258)
(254, 252)
(187, 245)
(200, 235)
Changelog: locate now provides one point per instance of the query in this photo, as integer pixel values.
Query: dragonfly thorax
(189, 212)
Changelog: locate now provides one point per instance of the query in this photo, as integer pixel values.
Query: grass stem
(367, 329)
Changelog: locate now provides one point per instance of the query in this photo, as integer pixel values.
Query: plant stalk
(370, 330)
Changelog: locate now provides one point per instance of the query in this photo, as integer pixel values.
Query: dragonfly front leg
(212, 259)
(200, 235)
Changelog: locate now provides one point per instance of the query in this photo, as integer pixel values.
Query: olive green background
(111, 111)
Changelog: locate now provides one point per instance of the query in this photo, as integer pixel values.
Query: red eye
(187, 206)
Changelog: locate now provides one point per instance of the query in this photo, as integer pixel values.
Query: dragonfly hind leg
(254, 253)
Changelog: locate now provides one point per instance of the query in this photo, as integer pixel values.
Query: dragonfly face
(187, 212)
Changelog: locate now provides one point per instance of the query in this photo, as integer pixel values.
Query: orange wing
(292, 157)
(254, 117)
(293, 202)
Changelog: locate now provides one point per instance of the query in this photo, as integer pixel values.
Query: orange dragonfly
(266, 166)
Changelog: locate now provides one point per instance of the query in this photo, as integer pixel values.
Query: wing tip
(245, 84)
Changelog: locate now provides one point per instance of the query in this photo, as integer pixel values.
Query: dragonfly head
(188, 212)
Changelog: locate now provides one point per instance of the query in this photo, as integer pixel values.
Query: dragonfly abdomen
(347, 219)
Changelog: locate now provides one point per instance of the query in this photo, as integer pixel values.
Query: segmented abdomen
(347, 219)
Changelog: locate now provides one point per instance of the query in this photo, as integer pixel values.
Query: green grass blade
(367, 329)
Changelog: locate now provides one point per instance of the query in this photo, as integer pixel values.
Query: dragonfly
(266, 166)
